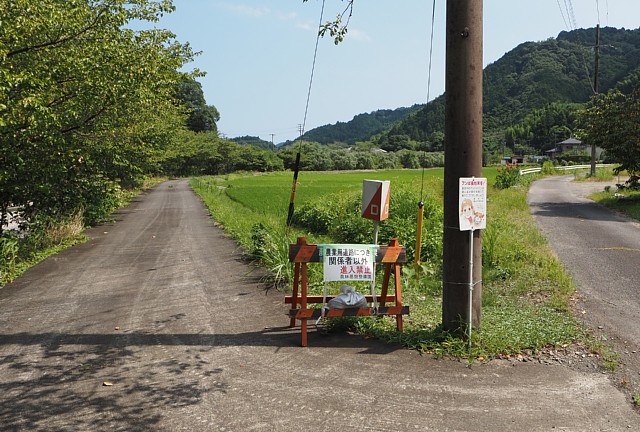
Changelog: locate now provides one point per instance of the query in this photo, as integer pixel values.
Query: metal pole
(596, 71)
(292, 198)
(419, 233)
(373, 281)
(463, 156)
(470, 285)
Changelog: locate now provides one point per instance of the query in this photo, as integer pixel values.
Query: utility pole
(596, 70)
(463, 158)
(272, 135)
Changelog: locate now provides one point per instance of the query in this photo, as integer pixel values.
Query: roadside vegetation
(31, 243)
(527, 296)
(624, 200)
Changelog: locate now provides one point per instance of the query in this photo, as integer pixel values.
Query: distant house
(571, 144)
(513, 159)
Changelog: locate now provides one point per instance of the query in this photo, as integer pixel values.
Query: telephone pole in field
(596, 72)
(463, 158)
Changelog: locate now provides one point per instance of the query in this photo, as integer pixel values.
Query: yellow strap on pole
(419, 233)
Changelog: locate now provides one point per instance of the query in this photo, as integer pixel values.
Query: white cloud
(307, 26)
(286, 16)
(244, 10)
(358, 35)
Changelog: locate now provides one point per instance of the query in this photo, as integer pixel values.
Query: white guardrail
(563, 168)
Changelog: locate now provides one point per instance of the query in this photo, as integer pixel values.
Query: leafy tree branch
(338, 29)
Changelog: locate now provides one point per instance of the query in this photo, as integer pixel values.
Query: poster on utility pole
(473, 203)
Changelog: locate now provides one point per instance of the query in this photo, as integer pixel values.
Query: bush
(508, 176)
(548, 168)
(339, 217)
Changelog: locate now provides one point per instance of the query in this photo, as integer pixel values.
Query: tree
(85, 101)
(336, 29)
(202, 117)
(613, 123)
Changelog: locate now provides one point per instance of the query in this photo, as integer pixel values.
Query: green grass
(627, 202)
(526, 292)
(601, 174)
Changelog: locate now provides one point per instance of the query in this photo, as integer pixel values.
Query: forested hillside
(361, 128)
(531, 94)
(254, 141)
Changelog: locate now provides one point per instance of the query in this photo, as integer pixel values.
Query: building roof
(570, 141)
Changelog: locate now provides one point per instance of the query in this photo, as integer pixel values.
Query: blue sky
(258, 53)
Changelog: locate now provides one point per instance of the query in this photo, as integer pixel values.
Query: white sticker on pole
(473, 203)
(375, 199)
(348, 262)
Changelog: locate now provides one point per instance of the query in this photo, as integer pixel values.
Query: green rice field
(526, 293)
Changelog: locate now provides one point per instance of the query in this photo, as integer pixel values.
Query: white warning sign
(349, 262)
(473, 203)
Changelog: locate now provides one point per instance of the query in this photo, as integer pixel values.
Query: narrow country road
(156, 324)
(601, 250)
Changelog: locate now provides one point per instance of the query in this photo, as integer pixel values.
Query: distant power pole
(463, 158)
(596, 70)
(272, 135)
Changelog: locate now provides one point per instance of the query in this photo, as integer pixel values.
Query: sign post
(375, 205)
(375, 202)
(473, 211)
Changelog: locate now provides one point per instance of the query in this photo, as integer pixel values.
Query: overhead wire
(296, 169)
(313, 68)
(566, 24)
(420, 216)
(433, 20)
(571, 24)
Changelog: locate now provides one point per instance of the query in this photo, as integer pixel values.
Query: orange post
(302, 253)
(294, 296)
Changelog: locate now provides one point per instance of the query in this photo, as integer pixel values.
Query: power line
(571, 24)
(562, 13)
(572, 17)
(433, 20)
(313, 67)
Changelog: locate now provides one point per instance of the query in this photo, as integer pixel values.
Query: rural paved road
(160, 306)
(601, 251)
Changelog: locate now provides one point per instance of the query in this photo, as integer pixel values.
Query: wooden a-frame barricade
(302, 253)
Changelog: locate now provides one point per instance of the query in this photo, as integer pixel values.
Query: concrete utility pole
(596, 71)
(463, 158)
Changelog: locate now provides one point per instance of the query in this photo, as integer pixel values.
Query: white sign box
(375, 199)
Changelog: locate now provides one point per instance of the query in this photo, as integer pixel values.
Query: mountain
(254, 141)
(534, 75)
(361, 128)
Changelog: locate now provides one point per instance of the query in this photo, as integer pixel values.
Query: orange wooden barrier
(302, 253)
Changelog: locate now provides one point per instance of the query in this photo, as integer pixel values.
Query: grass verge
(527, 294)
(627, 202)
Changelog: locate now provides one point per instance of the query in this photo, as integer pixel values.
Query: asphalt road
(157, 324)
(601, 251)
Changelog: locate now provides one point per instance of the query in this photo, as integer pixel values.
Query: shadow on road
(587, 210)
(73, 370)
(278, 337)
